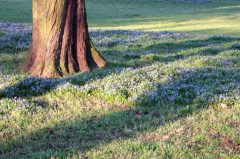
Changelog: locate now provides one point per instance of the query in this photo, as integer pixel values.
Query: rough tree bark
(61, 43)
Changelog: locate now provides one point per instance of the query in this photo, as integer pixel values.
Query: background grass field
(216, 17)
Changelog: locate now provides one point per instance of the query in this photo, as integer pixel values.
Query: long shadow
(82, 135)
(175, 47)
(170, 51)
(167, 101)
(32, 87)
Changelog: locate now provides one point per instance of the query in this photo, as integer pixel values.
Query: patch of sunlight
(228, 7)
(218, 25)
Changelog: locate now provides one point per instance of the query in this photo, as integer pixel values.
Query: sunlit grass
(219, 26)
(216, 17)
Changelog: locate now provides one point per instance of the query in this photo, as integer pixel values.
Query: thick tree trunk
(60, 42)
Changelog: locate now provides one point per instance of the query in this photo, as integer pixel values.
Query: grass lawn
(163, 95)
(216, 17)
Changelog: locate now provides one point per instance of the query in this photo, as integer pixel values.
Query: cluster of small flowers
(125, 38)
(203, 84)
(19, 36)
(147, 84)
(65, 85)
(8, 105)
(4, 80)
(128, 82)
(14, 27)
(180, 85)
(193, 1)
(17, 40)
(133, 33)
(15, 36)
(30, 86)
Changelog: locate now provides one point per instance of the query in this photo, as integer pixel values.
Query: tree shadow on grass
(168, 102)
(143, 56)
(33, 86)
(172, 101)
(138, 55)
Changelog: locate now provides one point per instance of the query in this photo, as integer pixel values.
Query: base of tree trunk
(61, 44)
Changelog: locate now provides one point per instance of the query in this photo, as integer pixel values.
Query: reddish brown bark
(60, 40)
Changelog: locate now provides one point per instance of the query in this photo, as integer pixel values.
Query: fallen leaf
(166, 137)
(229, 145)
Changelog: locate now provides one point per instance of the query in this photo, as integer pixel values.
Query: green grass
(1, 33)
(16, 11)
(161, 96)
(77, 122)
(217, 17)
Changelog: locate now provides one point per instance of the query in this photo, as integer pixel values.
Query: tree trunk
(61, 43)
